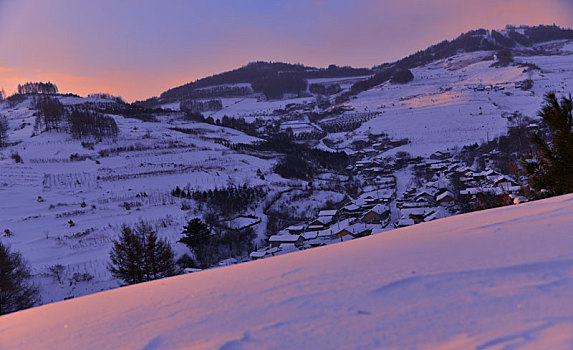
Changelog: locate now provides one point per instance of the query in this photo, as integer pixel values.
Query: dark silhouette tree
(550, 166)
(50, 114)
(197, 237)
(3, 130)
(139, 256)
(17, 291)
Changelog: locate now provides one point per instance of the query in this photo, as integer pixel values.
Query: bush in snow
(402, 77)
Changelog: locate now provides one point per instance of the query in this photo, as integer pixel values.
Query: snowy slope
(495, 279)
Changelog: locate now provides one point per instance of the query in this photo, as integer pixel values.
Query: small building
(320, 223)
(309, 235)
(350, 210)
(445, 197)
(263, 253)
(295, 229)
(327, 213)
(353, 231)
(277, 240)
(380, 214)
(325, 234)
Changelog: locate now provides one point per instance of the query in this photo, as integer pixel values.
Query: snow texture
(496, 279)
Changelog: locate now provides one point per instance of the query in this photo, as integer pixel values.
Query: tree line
(79, 121)
(37, 88)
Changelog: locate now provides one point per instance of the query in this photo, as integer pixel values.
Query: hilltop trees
(17, 292)
(550, 166)
(37, 88)
(138, 255)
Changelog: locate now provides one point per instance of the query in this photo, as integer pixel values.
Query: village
(440, 188)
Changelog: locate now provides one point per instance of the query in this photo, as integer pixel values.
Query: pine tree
(159, 259)
(3, 130)
(196, 236)
(550, 167)
(139, 256)
(17, 292)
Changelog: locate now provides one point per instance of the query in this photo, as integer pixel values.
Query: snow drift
(493, 279)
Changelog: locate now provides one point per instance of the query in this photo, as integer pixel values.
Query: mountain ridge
(517, 39)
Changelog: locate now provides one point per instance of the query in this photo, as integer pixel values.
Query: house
(504, 182)
(288, 247)
(383, 195)
(439, 155)
(295, 229)
(227, 262)
(426, 195)
(321, 223)
(263, 253)
(309, 235)
(445, 197)
(325, 234)
(411, 216)
(353, 231)
(380, 214)
(327, 213)
(350, 210)
(277, 240)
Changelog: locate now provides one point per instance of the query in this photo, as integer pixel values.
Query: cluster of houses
(438, 197)
(432, 199)
(356, 219)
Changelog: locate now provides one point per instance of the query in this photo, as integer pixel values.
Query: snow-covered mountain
(501, 278)
(64, 204)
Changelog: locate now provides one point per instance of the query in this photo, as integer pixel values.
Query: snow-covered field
(496, 279)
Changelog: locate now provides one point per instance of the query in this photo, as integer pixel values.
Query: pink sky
(139, 48)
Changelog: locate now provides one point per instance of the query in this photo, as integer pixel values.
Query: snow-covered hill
(65, 211)
(501, 278)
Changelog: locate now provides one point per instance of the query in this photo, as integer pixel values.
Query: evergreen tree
(139, 256)
(550, 167)
(196, 236)
(159, 259)
(17, 292)
(3, 130)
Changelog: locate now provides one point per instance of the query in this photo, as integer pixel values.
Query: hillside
(67, 199)
(494, 279)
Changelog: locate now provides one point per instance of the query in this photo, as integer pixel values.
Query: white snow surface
(497, 279)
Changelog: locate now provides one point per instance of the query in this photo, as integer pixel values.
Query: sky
(139, 48)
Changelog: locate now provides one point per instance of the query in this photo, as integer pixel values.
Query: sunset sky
(139, 48)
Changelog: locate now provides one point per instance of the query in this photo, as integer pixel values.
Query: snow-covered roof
(309, 235)
(444, 195)
(380, 209)
(327, 213)
(284, 238)
(324, 220)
